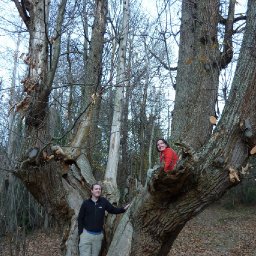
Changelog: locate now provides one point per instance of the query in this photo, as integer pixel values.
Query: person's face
(161, 146)
(96, 191)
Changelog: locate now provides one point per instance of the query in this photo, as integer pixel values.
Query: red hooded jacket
(170, 158)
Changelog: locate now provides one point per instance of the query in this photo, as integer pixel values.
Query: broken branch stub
(213, 120)
(233, 175)
(253, 151)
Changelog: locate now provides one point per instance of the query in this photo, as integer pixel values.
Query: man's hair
(92, 186)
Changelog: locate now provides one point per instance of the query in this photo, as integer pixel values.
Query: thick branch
(164, 186)
(22, 11)
(223, 21)
(56, 42)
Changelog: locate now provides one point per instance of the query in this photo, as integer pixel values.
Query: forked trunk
(157, 215)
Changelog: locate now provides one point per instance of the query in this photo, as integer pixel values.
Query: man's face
(96, 191)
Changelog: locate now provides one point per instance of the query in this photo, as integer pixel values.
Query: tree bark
(113, 157)
(157, 215)
(61, 196)
(197, 73)
(93, 73)
(12, 136)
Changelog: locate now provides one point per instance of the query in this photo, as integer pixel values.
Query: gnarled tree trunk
(169, 200)
(199, 65)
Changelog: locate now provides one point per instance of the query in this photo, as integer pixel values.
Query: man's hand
(126, 207)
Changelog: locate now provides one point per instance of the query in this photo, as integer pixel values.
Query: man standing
(91, 220)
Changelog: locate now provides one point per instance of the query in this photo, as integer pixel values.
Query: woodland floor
(218, 232)
(215, 232)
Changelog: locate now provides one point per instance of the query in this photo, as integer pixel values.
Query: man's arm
(80, 218)
(115, 210)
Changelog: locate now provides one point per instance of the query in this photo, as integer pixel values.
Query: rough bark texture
(47, 179)
(113, 156)
(197, 74)
(93, 72)
(170, 200)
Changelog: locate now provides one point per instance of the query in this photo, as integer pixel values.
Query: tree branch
(227, 54)
(223, 21)
(22, 11)
(56, 41)
(163, 63)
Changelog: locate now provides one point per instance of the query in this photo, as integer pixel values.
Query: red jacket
(170, 158)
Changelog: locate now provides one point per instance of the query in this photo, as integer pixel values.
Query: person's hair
(164, 141)
(92, 186)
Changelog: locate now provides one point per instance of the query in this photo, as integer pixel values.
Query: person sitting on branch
(167, 155)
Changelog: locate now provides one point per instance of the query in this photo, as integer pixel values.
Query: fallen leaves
(218, 231)
(37, 243)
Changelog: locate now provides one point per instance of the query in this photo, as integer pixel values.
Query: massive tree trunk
(199, 65)
(42, 175)
(169, 200)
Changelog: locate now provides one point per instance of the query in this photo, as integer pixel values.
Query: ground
(218, 232)
(214, 232)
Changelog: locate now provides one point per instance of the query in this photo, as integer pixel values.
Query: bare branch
(22, 11)
(163, 63)
(56, 42)
(223, 21)
(227, 54)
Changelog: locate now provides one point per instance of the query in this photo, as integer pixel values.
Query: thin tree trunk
(113, 156)
(143, 120)
(152, 133)
(93, 74)
(124, 164)
(70, 116)
(12, 131)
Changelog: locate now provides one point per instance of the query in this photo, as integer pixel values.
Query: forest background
(86, 89)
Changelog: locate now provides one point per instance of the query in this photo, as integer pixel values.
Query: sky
(150, 7)
(8, 42)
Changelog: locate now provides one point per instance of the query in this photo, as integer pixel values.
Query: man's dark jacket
(91, 214)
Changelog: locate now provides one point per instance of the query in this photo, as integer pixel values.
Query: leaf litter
(215, 231)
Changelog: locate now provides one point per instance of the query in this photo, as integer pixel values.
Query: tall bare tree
(113, 158)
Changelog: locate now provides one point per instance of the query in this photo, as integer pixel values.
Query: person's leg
(96, 244)
(85, 244)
